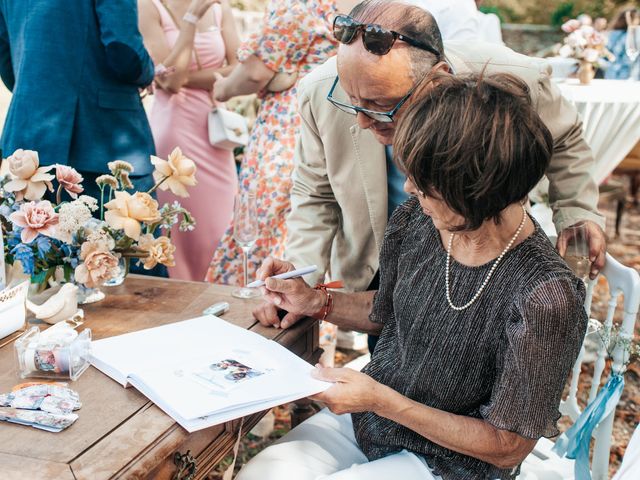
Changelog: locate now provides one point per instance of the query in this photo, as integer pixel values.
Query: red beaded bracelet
(324, 312)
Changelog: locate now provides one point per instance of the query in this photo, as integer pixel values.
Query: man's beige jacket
(339, 194)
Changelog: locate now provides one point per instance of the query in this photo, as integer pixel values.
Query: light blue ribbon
(574, 443)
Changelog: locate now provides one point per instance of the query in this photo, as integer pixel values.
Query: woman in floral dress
(295, 38)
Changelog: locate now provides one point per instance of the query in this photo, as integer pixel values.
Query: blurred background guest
(295, 38)
(74, 68)
(620, 68)
(194, 40)
(457, 19)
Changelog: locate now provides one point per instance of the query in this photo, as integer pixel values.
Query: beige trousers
(324, 448)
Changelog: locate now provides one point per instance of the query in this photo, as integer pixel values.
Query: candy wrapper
(45, 406)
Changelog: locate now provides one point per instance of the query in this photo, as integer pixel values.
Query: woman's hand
(352, 391)
(219, 92)
(200, 7)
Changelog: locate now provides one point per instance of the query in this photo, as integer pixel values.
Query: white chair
(543, 463)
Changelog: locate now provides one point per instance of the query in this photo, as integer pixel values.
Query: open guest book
(206, 371)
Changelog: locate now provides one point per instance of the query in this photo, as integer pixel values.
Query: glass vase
(88, 295)
(124, 271)
(586, 72)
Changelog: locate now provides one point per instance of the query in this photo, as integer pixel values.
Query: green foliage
(495, 10)
(564, 12)
(544, 12)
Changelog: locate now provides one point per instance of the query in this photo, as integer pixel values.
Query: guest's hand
(293, 295)
(597, 246)
(269, 316)
(352, 391)
(267, 313)
(200, 7)
(219, 92)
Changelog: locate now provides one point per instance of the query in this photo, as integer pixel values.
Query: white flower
(565, 51)
(90, 202)
(72, 216)
(591, 55)
(102, 240)
(587, 30)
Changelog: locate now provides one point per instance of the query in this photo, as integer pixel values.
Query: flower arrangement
(83, 239)
(584, 43)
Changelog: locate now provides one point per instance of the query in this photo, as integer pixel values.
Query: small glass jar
(56, 353)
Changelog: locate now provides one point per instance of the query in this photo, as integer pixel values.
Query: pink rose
(70, 180)
(571, 25)
(35, 218)
(98, 265)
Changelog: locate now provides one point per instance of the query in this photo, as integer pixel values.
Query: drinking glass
(245, 234)
(577, 254)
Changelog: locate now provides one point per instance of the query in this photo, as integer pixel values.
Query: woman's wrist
(388, 403)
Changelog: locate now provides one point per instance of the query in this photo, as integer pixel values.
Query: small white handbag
(227, 129)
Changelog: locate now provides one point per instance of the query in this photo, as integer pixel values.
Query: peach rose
(28, 180)
(98, 265)
(35, 218)
(126, 211)
(176, 173)
(160, 250)
(70, 180)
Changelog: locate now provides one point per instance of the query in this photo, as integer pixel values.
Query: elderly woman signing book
(479, 318)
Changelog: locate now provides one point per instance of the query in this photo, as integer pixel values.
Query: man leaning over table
(345, 184)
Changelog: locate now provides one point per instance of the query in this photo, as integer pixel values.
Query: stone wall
(530, 39)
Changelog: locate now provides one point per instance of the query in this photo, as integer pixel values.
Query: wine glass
(245, 234)
(577, 253)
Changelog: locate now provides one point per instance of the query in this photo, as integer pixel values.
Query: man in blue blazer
(75, 68)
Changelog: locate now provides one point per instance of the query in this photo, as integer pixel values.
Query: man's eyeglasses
(382, 117)
(376, 39)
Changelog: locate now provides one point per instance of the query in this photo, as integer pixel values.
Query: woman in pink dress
(193, 40)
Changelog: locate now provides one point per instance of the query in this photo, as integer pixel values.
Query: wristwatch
(190, 18)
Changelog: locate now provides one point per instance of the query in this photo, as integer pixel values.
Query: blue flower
(6, 210)
(24, 253)
(43, 245)
(71, 255)
(13, 238)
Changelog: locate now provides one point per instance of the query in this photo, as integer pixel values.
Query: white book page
(227, 378)
(142, 350)
(198, 367)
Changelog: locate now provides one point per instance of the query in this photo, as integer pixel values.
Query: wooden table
(120, 433)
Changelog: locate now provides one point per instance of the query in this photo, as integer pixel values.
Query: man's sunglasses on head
(376, 39)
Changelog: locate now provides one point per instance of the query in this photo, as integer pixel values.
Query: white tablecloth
(610, 110)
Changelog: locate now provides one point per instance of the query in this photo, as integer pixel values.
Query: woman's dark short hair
(475, 141)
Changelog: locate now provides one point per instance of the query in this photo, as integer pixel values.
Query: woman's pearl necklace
(493, 267)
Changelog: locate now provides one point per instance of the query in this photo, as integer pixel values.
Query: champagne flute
(245, 234)
(577, 254)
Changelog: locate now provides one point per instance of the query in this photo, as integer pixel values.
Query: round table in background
(610, 111)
